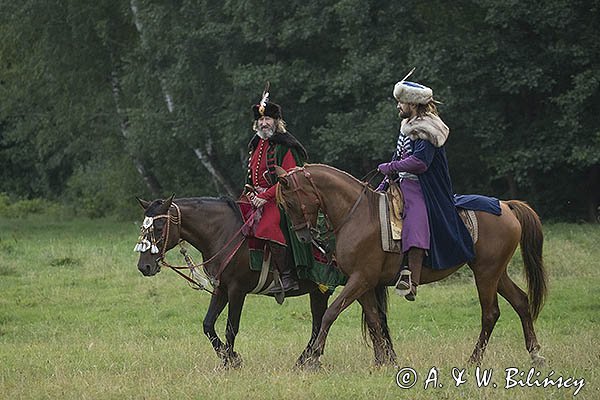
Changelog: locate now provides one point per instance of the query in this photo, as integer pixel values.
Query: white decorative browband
(146, 240)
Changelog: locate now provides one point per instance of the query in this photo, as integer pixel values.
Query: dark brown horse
(213, 227)
(352, 208)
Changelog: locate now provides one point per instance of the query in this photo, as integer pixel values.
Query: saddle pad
(470, 220)
(396, 209)
(388, 243)
(394, 246)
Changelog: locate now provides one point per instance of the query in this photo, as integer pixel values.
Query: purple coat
(450, 242)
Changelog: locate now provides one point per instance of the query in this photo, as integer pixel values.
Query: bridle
(296, 188)
(176, 220)
(147, 239)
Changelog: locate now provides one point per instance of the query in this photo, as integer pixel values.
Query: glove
(387, 168)
(257, 202)
(382, 187)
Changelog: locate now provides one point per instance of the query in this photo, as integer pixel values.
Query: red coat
(268, 227)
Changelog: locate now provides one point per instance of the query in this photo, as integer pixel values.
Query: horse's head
(159, 233)
(300, 199)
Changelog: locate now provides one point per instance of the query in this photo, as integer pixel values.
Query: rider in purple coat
(432, 231)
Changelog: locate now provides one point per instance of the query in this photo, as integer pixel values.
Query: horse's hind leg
(381, 296)
(490, 312)
(354, 288)
(519, 301)
(318, 305)
(376, 323)
(218, 302)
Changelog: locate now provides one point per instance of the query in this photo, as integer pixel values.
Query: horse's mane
(200, 201)
(335, 169)
(369, 192)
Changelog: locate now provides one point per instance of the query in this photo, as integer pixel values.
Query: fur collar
(429, 127)
(285, 138)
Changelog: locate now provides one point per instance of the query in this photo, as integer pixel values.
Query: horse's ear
(168, 201)
(280, 171)
(283, 181)
(143, 203)
(282, 176)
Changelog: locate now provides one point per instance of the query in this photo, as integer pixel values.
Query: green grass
(78, 321)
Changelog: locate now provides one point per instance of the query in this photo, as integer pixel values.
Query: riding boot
(283, 265)
(411, 276)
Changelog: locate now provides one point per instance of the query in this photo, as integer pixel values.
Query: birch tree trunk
(202, 154)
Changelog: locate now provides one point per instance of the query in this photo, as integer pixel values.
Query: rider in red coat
(271, 145)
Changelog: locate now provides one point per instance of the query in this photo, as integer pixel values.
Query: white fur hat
(411, 92)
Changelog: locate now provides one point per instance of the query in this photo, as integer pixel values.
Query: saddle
(391, 208)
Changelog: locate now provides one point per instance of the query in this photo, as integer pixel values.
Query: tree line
(104, 100)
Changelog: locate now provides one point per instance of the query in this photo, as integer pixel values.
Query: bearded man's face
(405, 110)
(266, 127)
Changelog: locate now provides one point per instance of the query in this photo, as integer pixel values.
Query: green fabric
(327, 276)
(256, 259)
(320, 273)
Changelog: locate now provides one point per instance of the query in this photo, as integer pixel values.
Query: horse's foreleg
(218, 302)
(490, 312)
(378, 330)
(355, 287)
(234, 312)
(318, 305)
(519, 302)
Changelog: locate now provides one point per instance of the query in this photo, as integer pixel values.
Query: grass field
(78, 321)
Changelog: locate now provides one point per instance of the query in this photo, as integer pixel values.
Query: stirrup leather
(403, 285)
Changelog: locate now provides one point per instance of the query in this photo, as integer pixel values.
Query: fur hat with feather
(412, 92)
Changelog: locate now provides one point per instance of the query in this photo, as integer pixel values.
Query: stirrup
(277, 290)
(403, 286)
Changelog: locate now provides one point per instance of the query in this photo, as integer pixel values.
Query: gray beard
(265, 133)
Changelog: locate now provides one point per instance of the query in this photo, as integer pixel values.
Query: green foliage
(85, 85)
(27, 207)
(4, 204)
(105, 187)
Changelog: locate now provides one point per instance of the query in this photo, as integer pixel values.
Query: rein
(214, 281)
(349, 214)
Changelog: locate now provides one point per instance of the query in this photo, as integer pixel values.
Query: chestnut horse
(213, 227)
(352, 209)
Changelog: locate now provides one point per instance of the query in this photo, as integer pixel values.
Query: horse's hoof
(299, 363)
(538, 361)
(233, 361)
(476, 361)
(308, 364)
(313, 366)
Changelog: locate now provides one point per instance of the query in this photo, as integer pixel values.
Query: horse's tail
(381, 299)
(532, 240)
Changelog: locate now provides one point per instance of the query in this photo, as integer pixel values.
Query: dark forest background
(104, 100)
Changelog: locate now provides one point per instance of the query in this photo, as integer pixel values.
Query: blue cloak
(450, 243)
